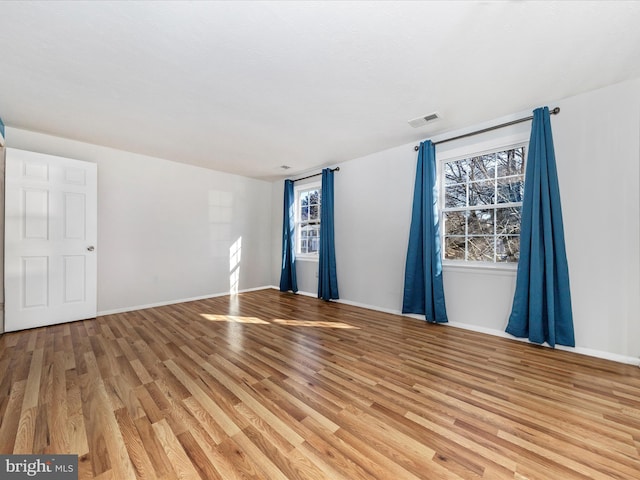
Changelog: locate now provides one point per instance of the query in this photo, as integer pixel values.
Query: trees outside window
(482, 204)
(308, 204)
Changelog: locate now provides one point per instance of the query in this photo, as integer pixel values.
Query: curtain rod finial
(555, 111)
(416, 148)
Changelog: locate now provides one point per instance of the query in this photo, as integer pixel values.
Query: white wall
(598, 135)
(2, 154)
(597, 141)
(369, 194)
(165, 229)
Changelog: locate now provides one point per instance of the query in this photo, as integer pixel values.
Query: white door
(50, 271)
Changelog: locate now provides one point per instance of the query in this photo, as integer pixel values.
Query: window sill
(481, 268)
(306, 258)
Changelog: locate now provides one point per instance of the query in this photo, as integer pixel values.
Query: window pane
(314, 213)
(511, 162)
(482, 193)
(508, 220)
(314, 239)
(454, 248)
(510, 190)
(454, 223)
(480, 249)
(483, 167)
(455, 196)
(478, 225)
(508, 249)
(456, 172)
(308, 220)
(480, 222)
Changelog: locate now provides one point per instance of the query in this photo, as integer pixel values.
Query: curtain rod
(555, 111)
(337, 169)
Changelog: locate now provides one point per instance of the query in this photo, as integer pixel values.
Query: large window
(482, 204)
(308, 201)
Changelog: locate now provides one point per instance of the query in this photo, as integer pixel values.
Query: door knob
(91, 248)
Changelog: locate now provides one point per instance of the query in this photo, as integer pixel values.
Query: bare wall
(168, 231)
(2, 152)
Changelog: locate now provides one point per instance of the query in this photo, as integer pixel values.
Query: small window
(482, 205)
(308, 203)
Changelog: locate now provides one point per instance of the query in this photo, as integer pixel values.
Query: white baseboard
(581, 350)
(299, 292)
(466, 326)
(496, 333)
(173, 302)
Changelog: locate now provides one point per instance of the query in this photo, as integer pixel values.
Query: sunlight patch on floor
(232, 319)
(277, 321)
(311, 323)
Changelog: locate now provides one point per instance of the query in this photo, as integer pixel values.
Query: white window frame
(298, 189)
(461, 153)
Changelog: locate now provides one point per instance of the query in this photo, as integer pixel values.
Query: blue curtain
(423, 287)
(327, 278)
(288, 279)
(542, 303)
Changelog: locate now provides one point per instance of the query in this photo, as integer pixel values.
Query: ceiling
(246, 87)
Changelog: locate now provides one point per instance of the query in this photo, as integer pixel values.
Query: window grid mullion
(466, 222)
(308, 224)
(496, 207)
(495, 210)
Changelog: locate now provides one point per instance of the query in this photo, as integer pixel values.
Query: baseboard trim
(496, 333)
(581, 350)
(299, 292)
(173, 302)
(465, 326)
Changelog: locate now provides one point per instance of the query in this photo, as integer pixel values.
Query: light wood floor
(266, 385)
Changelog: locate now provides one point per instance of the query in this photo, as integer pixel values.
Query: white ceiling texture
(245, 87)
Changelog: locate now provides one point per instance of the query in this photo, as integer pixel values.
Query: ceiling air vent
(420, 121)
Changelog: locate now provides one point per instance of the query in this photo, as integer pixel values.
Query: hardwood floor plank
(224, 465)
(396, 463)
(41, 434)
(266, 385)
(152, 400)
(77, 432)
(11, 418)
(143, 468)
(140, 371)
(26, 431)
(57, 421)
(215, 434)
(177, 456)
(258, 457)
(226, 422)
(327, 452)
(198, 457)
(156, 453)
(34, 382)
(302, 403)
(242, 465)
